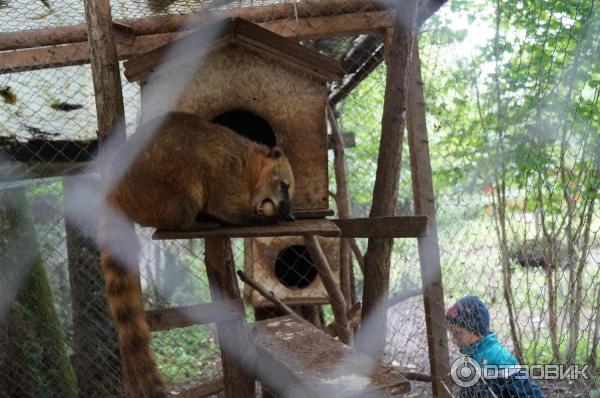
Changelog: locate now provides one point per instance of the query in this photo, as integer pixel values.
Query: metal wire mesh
(513, 123)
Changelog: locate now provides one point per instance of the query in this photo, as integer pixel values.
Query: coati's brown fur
(187, 167)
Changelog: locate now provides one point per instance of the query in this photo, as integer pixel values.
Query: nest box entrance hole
(294, 268)
(248, 124)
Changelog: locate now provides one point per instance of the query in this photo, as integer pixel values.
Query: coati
(186, 167)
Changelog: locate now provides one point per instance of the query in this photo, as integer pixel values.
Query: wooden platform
(300, 227)
(374, 227)
(298, 360)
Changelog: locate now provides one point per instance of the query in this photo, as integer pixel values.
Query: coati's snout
(275, 190)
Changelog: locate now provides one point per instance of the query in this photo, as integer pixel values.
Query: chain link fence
(513, 119)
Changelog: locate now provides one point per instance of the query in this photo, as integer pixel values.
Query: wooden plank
(190, 45)
(199, 314)
(309, 56)
(382, 227)
(177, 23)
(429, 252)
(296, 359)
(237, 354)
(293, 228)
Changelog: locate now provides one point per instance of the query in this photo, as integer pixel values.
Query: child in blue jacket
(469, 324)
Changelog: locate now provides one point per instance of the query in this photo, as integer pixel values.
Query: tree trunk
(371, 339)
(501, 205)
(342, 199)
(37, 341)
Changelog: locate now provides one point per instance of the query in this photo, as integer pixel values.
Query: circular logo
(465, 372)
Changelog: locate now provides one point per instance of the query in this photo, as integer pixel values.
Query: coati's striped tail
(142, 377)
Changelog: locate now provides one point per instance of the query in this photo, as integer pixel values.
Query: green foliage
(186, 355)
(41, 340)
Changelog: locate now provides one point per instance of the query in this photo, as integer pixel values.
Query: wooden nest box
(284, 267)
(261, 85)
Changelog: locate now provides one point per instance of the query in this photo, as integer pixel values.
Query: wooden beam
(77, 53)
(378, 254)
(382, 227)
(199, 314)
(293, 228)
(178, 23)
(429, 252)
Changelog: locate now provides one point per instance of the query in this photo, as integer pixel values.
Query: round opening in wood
(294, 267)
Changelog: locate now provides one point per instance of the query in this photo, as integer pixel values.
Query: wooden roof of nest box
(232, 30)
(234, 66)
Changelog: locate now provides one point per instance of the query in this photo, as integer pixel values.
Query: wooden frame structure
(111, 41)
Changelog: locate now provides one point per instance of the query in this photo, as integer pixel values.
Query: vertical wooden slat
(371, 339)
(238, 355)
(429, 255)
(105, 72)
(110, 111)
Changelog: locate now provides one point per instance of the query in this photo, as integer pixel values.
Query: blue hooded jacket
(513, 384)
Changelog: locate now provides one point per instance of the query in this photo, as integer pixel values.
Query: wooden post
(106, 73)
(371, 339)
(95, 342)
(237, 353)
(429, 255)
(110, 112)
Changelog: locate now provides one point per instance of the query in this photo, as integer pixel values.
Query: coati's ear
(276, 152)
